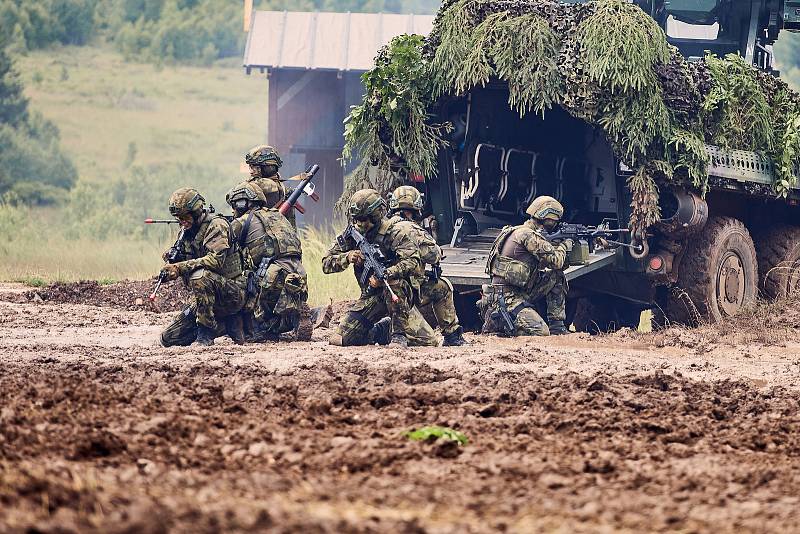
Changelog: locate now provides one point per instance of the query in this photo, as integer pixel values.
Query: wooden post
(248, 13)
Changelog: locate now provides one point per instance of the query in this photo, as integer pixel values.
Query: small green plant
(33, 281)
(437, 432)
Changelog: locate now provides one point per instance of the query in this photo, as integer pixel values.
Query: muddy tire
(717, 276)
(601, 314)
(778, 250)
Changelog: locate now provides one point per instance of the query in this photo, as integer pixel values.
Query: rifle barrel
(159, 221)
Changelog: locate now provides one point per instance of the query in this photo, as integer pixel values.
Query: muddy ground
(102, 430)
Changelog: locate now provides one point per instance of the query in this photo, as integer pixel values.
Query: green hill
(114, 114)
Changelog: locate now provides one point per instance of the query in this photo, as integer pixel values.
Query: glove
(567, 244)
(171, 271)
(374, 282)
(355, 257)
(600, 242)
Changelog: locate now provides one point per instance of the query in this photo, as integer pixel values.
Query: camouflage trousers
(213, 296)
(550, 285)
(439, 294)
(354, 327)
(283, 294)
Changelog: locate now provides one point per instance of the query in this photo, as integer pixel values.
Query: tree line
(33, 169)
(187, 31)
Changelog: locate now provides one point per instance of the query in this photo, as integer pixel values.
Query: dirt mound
(239, 448)
(766, 323)
(125, 295)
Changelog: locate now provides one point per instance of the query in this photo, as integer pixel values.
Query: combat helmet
(544, 208)
(184, 201)
(247, 192)
(263, 155)
(367, 203)
(406, 197)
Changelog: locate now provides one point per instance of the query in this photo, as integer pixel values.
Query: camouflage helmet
(545, 207)
(406, 197)
(245, 191)
(366, 203)
(263, 155)
(184, 201)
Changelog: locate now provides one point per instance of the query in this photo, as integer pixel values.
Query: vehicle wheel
(778, 250)
(600, 314)
(717, 276)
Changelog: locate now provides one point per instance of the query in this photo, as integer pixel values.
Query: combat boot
(557, 328)
(398, 341)
(379, 334)
(455, 338)
(235, 328)
(304, 327)
(205, 335)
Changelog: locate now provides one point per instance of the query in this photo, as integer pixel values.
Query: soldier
(211, 269)
(264, 162)
(526, 267)
(404, 274)
(277, 295)
(405, 204)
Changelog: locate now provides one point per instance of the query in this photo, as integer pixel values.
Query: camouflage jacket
(429, 251)
(269, 235)
(520, 251)
(396, 243)
(209, 246)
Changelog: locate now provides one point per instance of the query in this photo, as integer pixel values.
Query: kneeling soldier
(404, 273)
(525, 267)
(211, 268)
(405, 204)
(278, 288)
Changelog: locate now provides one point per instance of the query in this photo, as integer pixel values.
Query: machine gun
(174, 255)
(591, 234)
(374, 259)
(305, 187)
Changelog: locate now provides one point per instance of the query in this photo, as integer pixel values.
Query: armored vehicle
(708, 255)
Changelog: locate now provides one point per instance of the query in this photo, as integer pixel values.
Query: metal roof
(324, 40)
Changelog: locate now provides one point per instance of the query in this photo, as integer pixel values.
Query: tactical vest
(274, 237)
(232, 264)
(429, 251)
(513, 271)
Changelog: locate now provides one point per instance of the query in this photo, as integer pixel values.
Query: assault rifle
(591, 234)
(374, 259)
(174, 255)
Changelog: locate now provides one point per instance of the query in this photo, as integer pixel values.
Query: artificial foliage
(605, 62)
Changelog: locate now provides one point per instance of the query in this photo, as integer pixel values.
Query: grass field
(109, 110)
(112, 115)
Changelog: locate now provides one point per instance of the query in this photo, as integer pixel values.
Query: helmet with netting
(185, 201)
(406, 197)
(367, 203)
(544, 208)
(245, 191)
(263, 155)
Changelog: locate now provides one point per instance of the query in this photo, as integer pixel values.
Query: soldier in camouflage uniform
(278, 291)
(211, 269)
(525, 267)
(404, 274)
(264, 162)
(405, 205)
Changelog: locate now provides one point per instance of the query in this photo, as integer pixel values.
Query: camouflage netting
(605, 62)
